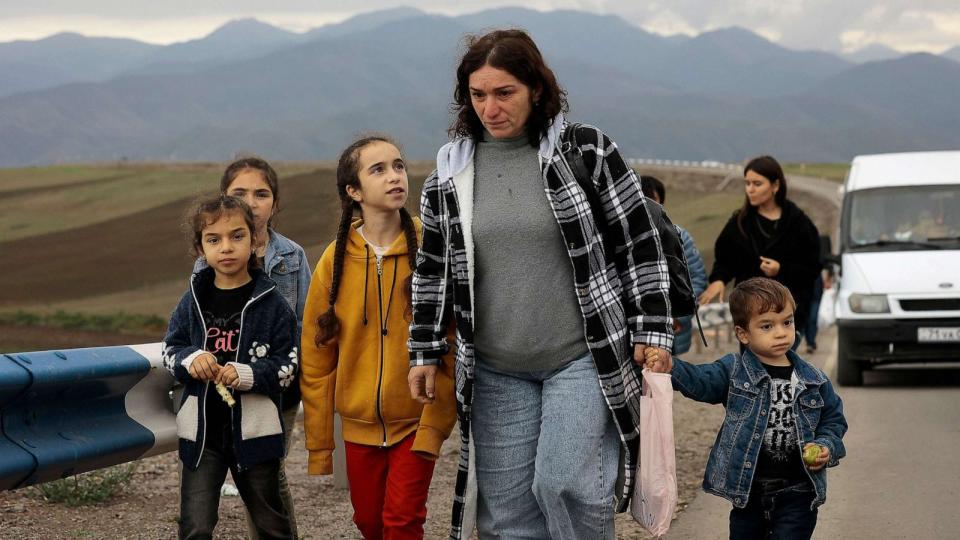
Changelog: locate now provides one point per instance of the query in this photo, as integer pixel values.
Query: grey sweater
(527, 314)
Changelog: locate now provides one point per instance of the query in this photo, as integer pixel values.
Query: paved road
(901, 476)
(827, 189)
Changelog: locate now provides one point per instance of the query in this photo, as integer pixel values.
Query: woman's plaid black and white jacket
(623, 301)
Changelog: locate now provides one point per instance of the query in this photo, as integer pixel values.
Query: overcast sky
(837, 25)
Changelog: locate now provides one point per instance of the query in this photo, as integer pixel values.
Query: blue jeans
(259, 487)
(547, 454)
(810, 325)
(775, 511)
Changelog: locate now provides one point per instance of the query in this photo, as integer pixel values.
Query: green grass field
(40, 201)
(704, 215)
(118, 321)
(831, 171)
(33, 178)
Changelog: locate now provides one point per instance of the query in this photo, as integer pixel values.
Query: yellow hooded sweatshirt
(362, 373)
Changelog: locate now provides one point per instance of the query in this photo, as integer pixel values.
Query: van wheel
(849, 371)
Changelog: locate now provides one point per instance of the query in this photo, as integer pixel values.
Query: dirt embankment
(149, 247)
(14, 338)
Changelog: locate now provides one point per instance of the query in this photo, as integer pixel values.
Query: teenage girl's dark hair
(348, 169)
(770, 169)
(258, 164)
(651, 185)
(516, 53)
(207, 211)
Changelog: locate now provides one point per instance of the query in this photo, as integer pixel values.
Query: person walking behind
(769, 236)
(654, 189)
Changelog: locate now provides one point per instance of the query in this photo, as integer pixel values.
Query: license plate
(934, 335)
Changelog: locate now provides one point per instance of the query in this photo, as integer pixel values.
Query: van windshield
(914, 217)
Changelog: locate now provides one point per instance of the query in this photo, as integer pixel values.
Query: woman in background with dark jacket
(769, 236)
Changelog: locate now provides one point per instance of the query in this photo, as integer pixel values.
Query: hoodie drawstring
(390, 299)
(366, 279)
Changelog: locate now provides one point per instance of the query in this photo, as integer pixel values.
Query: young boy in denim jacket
(784, 422)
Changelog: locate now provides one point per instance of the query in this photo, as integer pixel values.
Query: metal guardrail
(716, 322)
(72, 411)
(704, 164)
(712, 315)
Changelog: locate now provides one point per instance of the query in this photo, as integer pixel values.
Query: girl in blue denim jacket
(232, 343)
(254, 181)
(784, 422)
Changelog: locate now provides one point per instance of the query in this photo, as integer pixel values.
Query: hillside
(86, 273)
(144, 248)
(131, 255)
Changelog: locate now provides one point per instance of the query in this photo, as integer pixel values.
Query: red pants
(388, 489)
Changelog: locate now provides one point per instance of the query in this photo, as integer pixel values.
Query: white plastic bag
(655, 498)
(827, 316)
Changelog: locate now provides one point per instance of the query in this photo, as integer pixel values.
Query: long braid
(410, 232)
(328, 324)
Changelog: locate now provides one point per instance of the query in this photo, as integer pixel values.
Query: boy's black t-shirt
(221, 310)
(780, 453)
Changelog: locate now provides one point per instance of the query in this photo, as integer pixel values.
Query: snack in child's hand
(225, 394)
(810, 454)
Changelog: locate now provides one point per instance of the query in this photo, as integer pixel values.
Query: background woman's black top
(792, 240)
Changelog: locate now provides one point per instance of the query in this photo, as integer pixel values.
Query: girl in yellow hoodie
(354, 351)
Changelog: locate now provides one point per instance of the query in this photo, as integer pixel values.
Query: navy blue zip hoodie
(266, 362)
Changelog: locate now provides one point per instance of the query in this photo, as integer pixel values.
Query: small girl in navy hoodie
(232, 344)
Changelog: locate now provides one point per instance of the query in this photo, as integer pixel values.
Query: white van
(898, 296)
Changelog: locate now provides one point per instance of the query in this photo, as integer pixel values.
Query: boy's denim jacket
(266, 361)
(742, 385)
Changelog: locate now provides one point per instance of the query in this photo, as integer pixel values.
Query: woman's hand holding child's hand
(822, 458)
(204, 367)
(656, 359)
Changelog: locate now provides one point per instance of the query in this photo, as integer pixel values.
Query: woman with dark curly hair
(549, 316)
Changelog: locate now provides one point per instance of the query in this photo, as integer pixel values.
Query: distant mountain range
(953, 54)
(723, 95)
(872, 53)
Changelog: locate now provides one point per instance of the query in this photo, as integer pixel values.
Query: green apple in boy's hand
(810, 454)
(815, 457)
